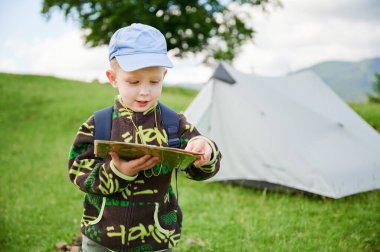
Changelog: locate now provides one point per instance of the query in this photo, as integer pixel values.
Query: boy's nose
(144, 89)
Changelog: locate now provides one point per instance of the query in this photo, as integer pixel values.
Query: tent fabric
(292, 131)
(221, 73)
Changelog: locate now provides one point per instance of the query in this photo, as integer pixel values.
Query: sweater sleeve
(189, 133)
(91, 174)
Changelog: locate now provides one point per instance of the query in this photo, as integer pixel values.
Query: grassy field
(370, 112)
(40, 207)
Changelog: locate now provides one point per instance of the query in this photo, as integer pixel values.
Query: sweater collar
(123, 110)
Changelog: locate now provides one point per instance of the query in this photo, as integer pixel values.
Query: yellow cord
(143, 142)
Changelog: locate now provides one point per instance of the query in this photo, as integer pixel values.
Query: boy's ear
(111, 75)
(165, 71)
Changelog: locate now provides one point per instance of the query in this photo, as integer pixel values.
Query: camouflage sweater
(132, 213)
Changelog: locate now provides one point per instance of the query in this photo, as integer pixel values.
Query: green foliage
(376, 85)
(189, 26)
(370, 112)
(40, 207)
(374, 99)
(376, 88)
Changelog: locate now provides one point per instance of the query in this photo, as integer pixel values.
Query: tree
(376, 88)
(208, 26)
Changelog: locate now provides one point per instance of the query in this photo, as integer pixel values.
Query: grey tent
(292, 131)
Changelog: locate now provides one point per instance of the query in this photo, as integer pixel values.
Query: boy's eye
(133, 82)
(154, 81)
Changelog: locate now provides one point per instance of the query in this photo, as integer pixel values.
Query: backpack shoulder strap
(103, 123)
(170, 120)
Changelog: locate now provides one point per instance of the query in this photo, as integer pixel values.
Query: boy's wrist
(121, 174)
(212, 146)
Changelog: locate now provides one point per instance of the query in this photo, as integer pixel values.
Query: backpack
(170, 119)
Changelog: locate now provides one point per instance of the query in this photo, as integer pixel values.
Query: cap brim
(137, 61)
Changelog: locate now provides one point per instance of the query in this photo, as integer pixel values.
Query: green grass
(370, 112)
(40, 207)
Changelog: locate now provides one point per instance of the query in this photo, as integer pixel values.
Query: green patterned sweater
(132, 213)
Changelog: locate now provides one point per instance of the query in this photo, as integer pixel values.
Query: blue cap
(138, 46)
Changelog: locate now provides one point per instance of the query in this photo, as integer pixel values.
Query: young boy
(130, 205)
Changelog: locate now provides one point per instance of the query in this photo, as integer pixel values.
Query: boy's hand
(131, 168)
(201, 146)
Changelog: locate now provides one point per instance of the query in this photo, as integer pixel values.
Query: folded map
(172, 157)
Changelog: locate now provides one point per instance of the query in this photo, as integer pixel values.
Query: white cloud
(301, 34)
(325, 10)
(304, 33)
(64, 56)
(67, 56)
(188, 70)
(8, 65)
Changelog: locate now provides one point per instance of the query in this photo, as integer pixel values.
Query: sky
(296, 36)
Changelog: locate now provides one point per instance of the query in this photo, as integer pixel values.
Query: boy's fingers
(208, 153)
(189, 147)
(204, 158)
(114, 156)
(199, 161)
(148, 167)
(193, 146)
(145, 162)
(151, 162)
(208, 149)
(140, 161)
(196, 148)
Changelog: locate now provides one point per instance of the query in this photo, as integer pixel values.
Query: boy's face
(138, 89)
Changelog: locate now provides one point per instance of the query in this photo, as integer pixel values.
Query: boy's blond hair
(114, 65)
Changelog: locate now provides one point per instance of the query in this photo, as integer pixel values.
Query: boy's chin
(138, 107)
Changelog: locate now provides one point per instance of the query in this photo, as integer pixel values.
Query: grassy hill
(352, 81)
(40, 207)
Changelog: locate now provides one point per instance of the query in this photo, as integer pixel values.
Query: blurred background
(53, 58)
(290, 35)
